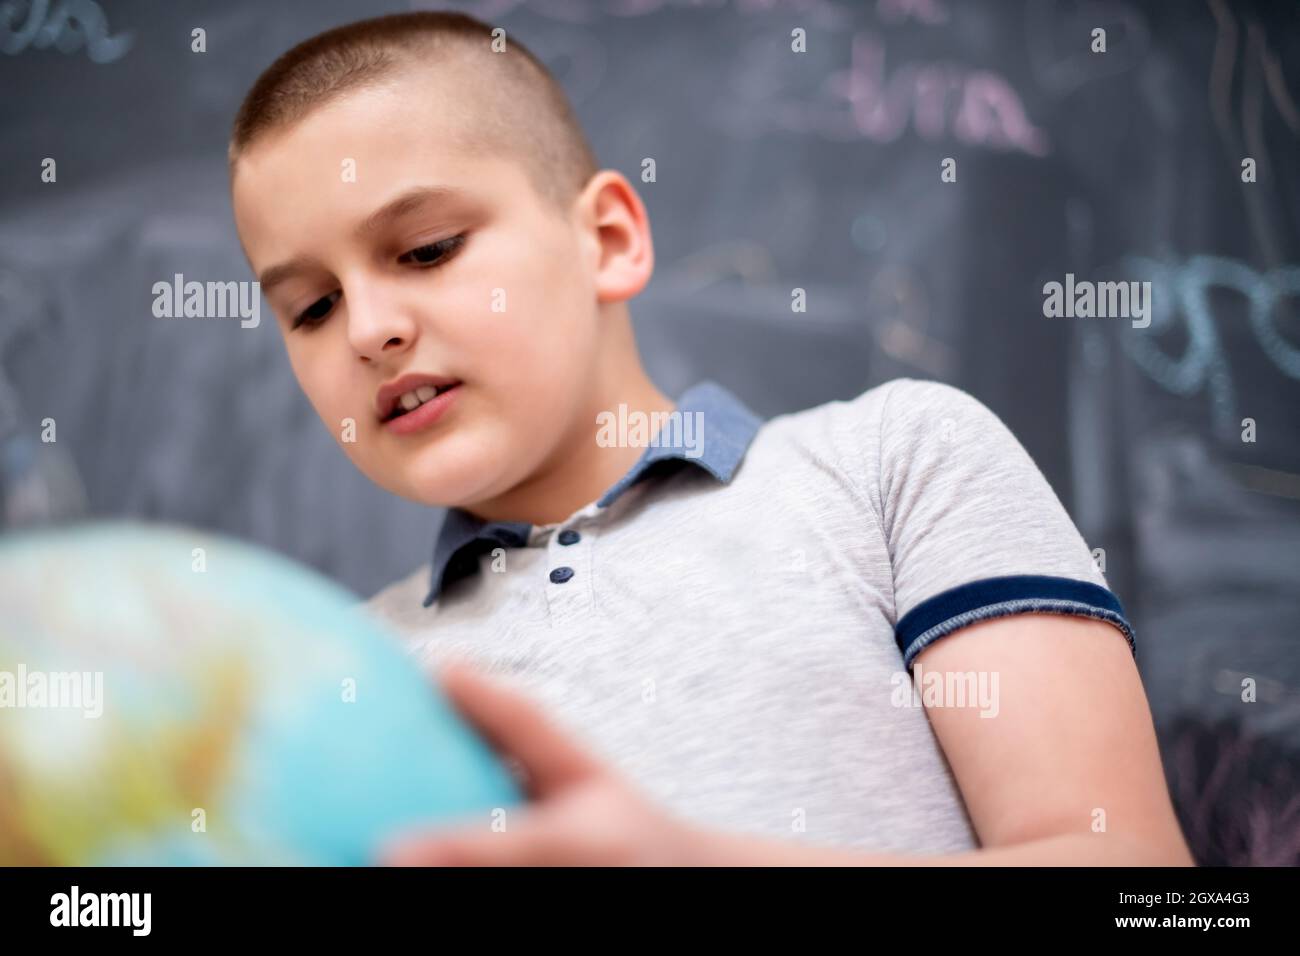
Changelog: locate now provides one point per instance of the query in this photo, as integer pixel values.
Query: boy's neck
(580, 471)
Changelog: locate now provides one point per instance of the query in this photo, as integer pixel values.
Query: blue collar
(728, 427)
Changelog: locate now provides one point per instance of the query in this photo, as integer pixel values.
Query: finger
(518, 728)
(523, 845)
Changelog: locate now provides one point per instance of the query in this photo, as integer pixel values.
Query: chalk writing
(1181, 292)
(941, 100)
(65, 26)
(924, 11)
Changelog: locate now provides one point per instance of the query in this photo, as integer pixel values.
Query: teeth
(416, 397)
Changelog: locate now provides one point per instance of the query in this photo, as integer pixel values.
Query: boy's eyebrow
(407, 202)
(277, 274)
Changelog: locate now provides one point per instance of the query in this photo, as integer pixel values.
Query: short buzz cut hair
(518, 107)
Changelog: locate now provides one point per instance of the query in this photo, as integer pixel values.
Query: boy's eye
(314, 313)
(429, 255)
(433, 253)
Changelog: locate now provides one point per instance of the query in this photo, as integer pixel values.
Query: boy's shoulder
(899, 399)
(885, 419)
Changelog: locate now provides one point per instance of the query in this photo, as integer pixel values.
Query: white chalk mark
(1277, 88)
(1225, 54)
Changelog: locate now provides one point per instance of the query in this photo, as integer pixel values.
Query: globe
(172, 696)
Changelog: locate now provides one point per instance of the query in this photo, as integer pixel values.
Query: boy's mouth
(406, 394)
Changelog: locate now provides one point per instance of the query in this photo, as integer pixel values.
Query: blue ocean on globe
(250, 711)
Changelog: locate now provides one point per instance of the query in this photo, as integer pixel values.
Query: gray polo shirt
(731, 623)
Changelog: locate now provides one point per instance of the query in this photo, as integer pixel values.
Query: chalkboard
(1176, 446)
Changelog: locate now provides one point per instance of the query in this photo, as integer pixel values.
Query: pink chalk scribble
(941, 100)
(924, 11)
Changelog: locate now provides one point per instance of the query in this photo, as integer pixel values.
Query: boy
(771, 628)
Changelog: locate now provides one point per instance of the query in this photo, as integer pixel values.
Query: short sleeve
(973, 528)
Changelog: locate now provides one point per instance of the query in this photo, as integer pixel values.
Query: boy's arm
(1072, 736)
(1066, 773)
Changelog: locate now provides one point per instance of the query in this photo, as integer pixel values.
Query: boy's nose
(377, 326)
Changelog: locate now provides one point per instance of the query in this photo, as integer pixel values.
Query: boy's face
(484, 283)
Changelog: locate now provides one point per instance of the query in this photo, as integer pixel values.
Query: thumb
(522, 845)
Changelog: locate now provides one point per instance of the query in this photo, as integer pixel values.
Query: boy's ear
(617, 220)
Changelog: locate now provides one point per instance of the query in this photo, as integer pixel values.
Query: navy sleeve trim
(983, 600)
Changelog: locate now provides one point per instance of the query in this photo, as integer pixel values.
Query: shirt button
(561, 574)
(569, 536)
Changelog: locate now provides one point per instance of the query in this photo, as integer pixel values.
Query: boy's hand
(580, 814)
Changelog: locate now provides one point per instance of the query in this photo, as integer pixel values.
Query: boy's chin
(436, 494)
(439, 487)
(458, 471)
